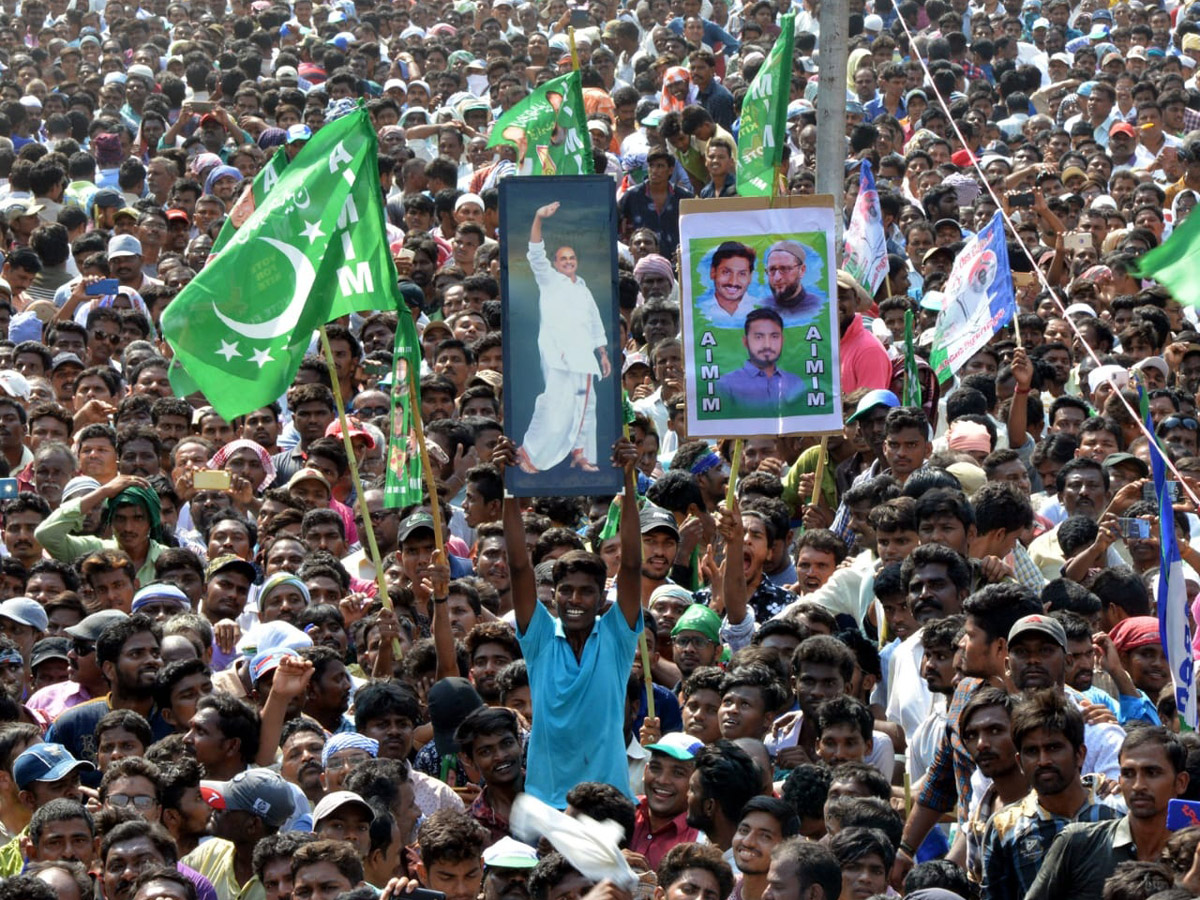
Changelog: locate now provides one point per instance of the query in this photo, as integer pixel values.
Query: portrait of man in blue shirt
(760, 386)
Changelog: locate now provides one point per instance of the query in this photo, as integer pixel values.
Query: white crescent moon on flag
(287, 320)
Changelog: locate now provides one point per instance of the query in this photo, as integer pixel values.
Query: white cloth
(910, 699)
(590, 846)
(923, 743)
(569, 331)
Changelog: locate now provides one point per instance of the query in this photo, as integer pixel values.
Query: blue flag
(979, 300)
(1173, 630)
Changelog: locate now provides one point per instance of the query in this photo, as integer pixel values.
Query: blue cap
(46, 762)
(872, 399)
(298, 132)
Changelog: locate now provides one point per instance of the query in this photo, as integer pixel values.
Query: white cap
(873, 23)
(1115, 375)
(394, 83)
(1079, 309)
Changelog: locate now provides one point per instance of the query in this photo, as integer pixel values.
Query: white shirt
(910, 700)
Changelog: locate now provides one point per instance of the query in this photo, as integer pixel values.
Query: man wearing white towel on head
(574, 350)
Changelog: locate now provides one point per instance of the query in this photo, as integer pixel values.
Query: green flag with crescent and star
(549, 130)
(249, 200)
(762, 132)
(315, 249)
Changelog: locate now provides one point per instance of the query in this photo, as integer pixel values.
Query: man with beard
(994, 616)
(301, 747)
(1048, 734)
(724, 781)
(696, 639)
(935, 579)
(1079, 861)
(787, 262)
(128, 654)
(822, 667)
(247, 808)
(986, 727)
(565, 665)
(312, 407)
(489, 740)
(660, 543)
(760, 386)
(732, 271)
(766, 823)
(386, 524)
(506, 867)
(22, 515)
(328, 693)
(223, 735)
(660, 820)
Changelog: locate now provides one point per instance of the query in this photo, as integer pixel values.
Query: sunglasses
(1178, 422)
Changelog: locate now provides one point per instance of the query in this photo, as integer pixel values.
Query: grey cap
(90, 628)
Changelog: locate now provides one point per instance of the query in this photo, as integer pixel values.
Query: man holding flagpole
(574, 350)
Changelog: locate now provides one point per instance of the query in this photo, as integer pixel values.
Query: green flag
(403, 485)
(764, 117)
(266, 179)
(549, 130)
(912, 382)
(1174, 264)
(315, 249)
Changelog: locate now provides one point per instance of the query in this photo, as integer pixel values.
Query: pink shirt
(54, 698)
(864, 361)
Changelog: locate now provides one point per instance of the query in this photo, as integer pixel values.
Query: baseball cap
(1117, 459)
(267, 661)
(634, 359)
(46, 762)
(331, 803)
(509, 853)
(107, 198)
(356, 431)
(178, 215)
(653, 517)
(307, 475)
(415, 522)
(394, 83)
(1122, 128)
(1039, 624)
(677, 745)
(90, 627)
(872, 399)
(25, 611)
(65, 359)
(124, 245)
(229, 561)
(1136, 52)
(287, 73)
(160, 591)
(21, 206)
(936, 251)
(126, 212)
(259, 791)
(298, 132)
(450, 700)
(1153, 362)
(47, 649)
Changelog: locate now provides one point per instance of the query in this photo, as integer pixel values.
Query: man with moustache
(1152, 774)
(506, 867)
(1047, 732)
(489, 740)
(766, 823)
(660, 821)
(787, 262)
(992, 615)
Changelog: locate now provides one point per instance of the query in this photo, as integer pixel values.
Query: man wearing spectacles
(786, 264)
(133, 784)
(1181, 434)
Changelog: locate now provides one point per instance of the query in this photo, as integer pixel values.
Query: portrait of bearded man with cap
(786, 263)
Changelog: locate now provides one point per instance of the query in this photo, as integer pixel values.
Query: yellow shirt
(214, 859)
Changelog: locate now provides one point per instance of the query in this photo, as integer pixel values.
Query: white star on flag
(312, 231)
(262, 357)
(228, 350)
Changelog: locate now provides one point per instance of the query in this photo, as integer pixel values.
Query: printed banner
(865, 253)
(760, 329)
(561, 330)
(979, 300)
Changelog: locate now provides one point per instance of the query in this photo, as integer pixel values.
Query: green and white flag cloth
(764, 117)
(267, 177)
(549, 130)
(315, 249)
(403, 483)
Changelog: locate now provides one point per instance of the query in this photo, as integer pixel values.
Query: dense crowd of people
(918, 659)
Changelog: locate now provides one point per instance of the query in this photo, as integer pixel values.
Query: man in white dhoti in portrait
(574, 351)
